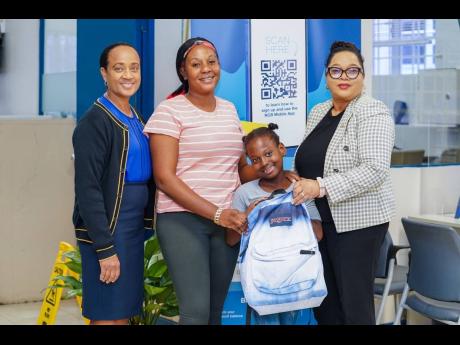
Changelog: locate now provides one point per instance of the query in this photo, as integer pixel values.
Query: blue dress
(122, 299)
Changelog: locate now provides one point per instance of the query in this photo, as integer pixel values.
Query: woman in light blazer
(344, 162)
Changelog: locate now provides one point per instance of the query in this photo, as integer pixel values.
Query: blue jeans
(286, 318)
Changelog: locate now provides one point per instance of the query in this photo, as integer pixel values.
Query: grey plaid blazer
(357, 165)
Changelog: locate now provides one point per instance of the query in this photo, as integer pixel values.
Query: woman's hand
(234, 219)
(305, 189)
(291, 176)
(110, 269)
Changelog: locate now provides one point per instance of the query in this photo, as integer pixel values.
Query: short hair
(263, 132)
(342, 46)
(104, 58)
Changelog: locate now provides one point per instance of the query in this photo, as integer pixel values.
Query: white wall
(19, 75)
(417, 190)
(447, 43)
(168, 38)
(432, 190)
(36, 203)
(367, 32)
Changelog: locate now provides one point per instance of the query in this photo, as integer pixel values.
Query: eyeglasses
(351, 72)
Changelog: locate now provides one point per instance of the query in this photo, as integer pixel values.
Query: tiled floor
(27, 313)
(68, 314)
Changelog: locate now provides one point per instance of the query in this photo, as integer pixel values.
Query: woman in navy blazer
(114, 193)
(344, 162)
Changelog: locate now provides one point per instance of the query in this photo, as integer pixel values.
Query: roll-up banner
(278, 76)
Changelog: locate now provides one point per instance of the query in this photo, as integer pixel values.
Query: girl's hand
(317, 229)
(254, 204)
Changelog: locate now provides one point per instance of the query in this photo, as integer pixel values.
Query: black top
(310, 157)
(100, 143)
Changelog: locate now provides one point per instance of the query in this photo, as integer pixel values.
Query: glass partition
(416, 74)
(59, 82)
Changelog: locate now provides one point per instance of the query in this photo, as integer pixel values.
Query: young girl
(266, 153)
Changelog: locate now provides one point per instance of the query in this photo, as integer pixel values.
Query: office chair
(400, 113)
(390, 277)
(434, 272)
(450, 156)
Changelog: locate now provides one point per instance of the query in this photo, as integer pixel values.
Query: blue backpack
(280, 264)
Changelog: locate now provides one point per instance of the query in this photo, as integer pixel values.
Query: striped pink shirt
(210, 146)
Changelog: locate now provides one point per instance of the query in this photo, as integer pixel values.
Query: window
(417, 75)
(403, 46)
(60, 66)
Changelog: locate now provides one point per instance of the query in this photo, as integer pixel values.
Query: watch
(322, 187)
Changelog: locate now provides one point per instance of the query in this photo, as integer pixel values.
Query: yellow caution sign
(52, 299)
(249, 126)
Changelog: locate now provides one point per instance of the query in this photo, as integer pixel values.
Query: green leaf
(71, 281)
(172, 299)
(58, 286)
(74, 266)
(72, 293)
(157, 269)
(153, 290)
(135, 320)
(152, 247)
(73, 255)
(169, 311)
(151, 307)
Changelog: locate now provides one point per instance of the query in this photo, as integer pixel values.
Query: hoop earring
(105, 83)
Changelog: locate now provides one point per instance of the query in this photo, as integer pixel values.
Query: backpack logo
(281, 216)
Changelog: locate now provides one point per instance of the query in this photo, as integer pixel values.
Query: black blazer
(100, 143)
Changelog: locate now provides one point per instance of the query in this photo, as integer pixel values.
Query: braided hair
(263, 132)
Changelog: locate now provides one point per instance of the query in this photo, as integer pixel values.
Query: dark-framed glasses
(351, 72)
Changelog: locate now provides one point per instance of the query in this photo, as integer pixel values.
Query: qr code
(279, 79)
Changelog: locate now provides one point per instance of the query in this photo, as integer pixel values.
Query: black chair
(390, 277)
(400, 113)
(433, 282)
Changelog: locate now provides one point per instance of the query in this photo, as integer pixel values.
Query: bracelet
(217, 215)
(322, 187)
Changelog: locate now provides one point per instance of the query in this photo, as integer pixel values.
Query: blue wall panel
(231, 38)
(93, 35)
(321, 33)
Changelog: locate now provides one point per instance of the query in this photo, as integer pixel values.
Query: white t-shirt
(250, 191)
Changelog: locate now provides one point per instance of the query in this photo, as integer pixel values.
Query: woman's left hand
(305, 189)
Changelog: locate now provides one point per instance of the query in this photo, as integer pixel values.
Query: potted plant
(159, 295)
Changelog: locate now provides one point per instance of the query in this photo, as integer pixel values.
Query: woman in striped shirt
(198, 159)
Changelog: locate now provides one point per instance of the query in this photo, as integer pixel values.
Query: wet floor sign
(52, 299)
